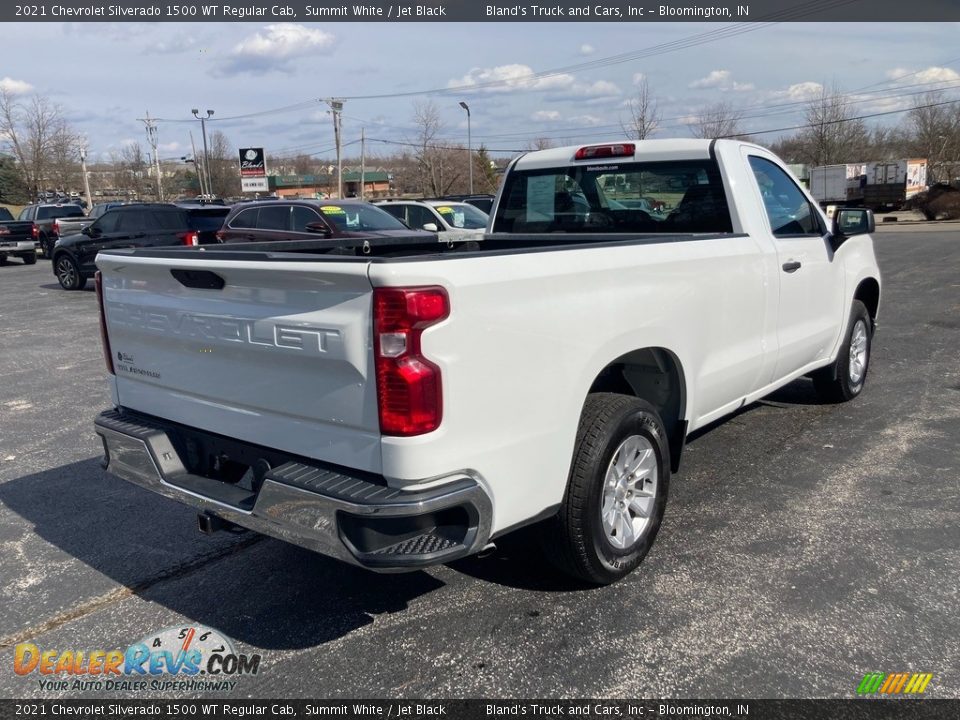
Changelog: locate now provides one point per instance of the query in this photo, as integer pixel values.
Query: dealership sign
(254, 184)
(252, 164)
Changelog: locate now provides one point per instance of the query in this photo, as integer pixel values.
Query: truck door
(810, 309)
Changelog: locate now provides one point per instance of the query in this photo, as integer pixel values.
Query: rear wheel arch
(653, 374)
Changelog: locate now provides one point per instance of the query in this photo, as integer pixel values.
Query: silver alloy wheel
(66, 273)
(858, 352)
(629, 492)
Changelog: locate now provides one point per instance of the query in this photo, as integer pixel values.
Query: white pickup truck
(401, 406)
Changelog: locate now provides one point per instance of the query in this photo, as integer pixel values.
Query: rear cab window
(53, 212)
(681, 197)
(207, 219)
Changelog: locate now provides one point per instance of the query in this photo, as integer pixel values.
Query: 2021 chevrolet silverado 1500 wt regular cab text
(400, 406)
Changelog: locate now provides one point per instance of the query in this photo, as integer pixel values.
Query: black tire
(47, 246)
(3, 259)
(838, 382)
(576, 540)
(68, 274)
(29, 258)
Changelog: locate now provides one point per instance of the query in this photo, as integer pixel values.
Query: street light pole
(469, 144)
(86, 180)
(206, 153)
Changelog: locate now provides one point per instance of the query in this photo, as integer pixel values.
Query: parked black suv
(129, 226)
(309, 219)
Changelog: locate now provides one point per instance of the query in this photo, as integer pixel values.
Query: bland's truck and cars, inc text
(401, 405)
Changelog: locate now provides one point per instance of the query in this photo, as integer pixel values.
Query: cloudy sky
(105, 76)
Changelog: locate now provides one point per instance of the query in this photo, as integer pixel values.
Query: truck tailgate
(276, 352)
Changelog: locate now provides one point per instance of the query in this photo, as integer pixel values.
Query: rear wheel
(844, 380)
(47, 245)
(616, 492)
(29, 258)
(68, 273)
(3, 259)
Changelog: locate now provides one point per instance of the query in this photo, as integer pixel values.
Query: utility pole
(86, 180)
(198, 168)
(336, 107)
(363, 161)
(206, 153)
(152, 138)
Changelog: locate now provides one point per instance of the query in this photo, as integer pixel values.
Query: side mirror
(87, 230)
(848, 222)
(431, 227)
(319, 228)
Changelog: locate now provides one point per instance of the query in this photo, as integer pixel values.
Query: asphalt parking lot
(804, 544)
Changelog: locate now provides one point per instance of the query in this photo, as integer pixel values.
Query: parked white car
(401, 406)
(452, 221)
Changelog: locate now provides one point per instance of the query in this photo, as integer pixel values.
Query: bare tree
(833, 134)
(224, 170)
(132, 168)
(540, 143)
(644, 114)
(934, 131)
(38, 136)
(717, 121)
(440, 167)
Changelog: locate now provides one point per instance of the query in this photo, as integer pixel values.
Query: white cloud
(545, 116)
(588, 120)
(586, 49)
(638, 78)
(509, 78)
(600, 88)
(716, 78)
(929, 75)
(799, 92)
(15, 87)
(720, 80)
(276, 46)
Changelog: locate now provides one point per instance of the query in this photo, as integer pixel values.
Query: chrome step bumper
(349, 515)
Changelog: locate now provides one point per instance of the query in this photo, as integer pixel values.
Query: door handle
(791, 266)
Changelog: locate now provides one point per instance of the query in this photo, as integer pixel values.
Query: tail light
(35, 232)
(190, 238)
(55, 227)
(409, 389)
(104, 338)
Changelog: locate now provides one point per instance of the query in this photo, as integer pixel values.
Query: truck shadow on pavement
(256, 590)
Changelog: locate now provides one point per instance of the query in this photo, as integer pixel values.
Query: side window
(25, 214)
(302, 216)
(246, 219)
(788, 209)
(396, 210)
(418, 216)
(133, 221)
(274, 217)
(107, 222)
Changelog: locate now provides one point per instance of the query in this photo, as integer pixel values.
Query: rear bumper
(349, 515)
(15, 247)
